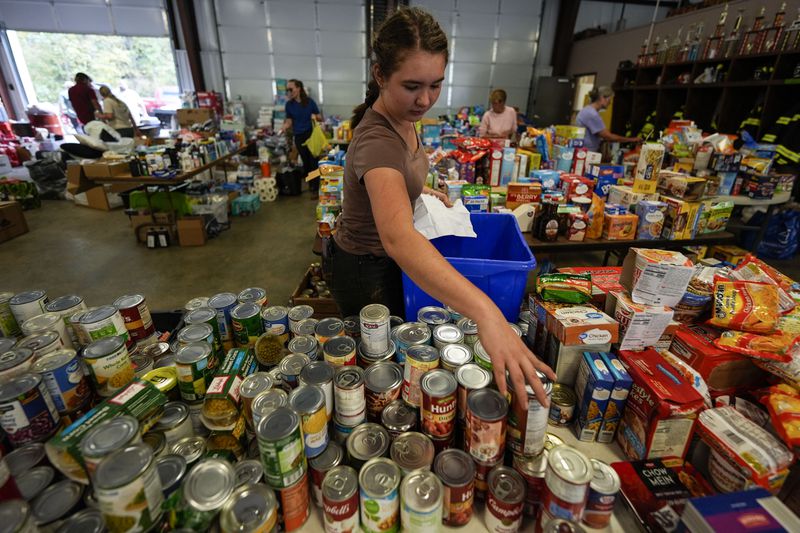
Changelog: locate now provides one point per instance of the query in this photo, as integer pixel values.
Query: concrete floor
(94, 254)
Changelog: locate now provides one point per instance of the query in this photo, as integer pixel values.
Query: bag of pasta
(778, 346)
(745, 306)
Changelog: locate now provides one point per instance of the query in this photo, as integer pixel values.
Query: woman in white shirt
(499, 122)
(116, 113)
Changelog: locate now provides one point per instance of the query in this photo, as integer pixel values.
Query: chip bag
(783, 404)
(565, 288)
(752, 269)
(776, 347)
(745, 306)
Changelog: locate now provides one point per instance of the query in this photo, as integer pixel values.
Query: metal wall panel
(238, 39)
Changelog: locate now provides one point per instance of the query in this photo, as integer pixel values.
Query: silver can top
(195, 333)
(171, 470)
(209, 484)
(201, 315)
(412, 450)
(43, 322)
(63, 303)
(278, 424)
(122, 466)
(252, 294)
(36, 341)
(109, 436)
(157, 441)
(175, 413)
(331, 456)
(454, 467)
(438, 382)
(14, 515)
(268, 401)
(468, 326)
(383, 376)
(472, 376)
(307, 326)
(34, 481)
(374, 313)
(339, 346)
(293, 364)
(605, 479)
(379, 477)
(24, 458)
(340, 483)
(85, 521)
(15, 357)
(433, 315)
(487, 404)
(368, 440)
(349, 377)
(154, 351)
(422, 491)
(190, 448)
(506, 484)
(329, 327)
(448, 334)
(570, 464)
(222, 300)
(255, 384)
(412, 333)
(56, 501)
(98, 313)
(398, 416)
(26, 297)
(128, 301)
(546, 383)
(192, 353)
(307, 399)
(300, 312)
(196, 303)
(303, 344)
(248, 472)
(317, 373)
(249, 508)
(9, 390)
(274, 313)
(455, 355)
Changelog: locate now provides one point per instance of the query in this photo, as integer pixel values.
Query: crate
(323, 307)
(244, 205)
(497, 262)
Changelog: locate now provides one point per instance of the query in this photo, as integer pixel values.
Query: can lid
(246, 310)
(398, 415)
(45, 321)
(14, 357)
(98, 313)
(433, 315)
(421, 490)
(62, 303)
(331, 456)
(154, 351)
(252, 294)
(447, 333)
(456, 354)
(340, 483)
(22, 459)
(6, 344)
(302, 344)
(38, 340)
(531, 466)
(338, 346)
(254, 384)
(506, 484)
(383, 376)
(375, 358)
(268, 401)
(208, 484)
(570, 464)
(455, 467)
(307, 326)
(201, 315)
(34, 481)
(222, 300)
(53, 360)
(374, 313)
(549, 387)
(487, 404)
(157, 441)
(248, 472)
(174, 414)
(329, 327)
(348, 377)
(317, 373)
(293, 364)
(14, 514)
(195, 333)
(128, 301)
(165, 361)
(412, 333)
(368, 440)
(300, 312)
(412, 450)
(249, 507)
(379, 477)
(605, 479)
(190, 448)
(19, 385)
(307, 399)
(108, 436)
(468, 326)
(274, 313)
(196, 303)
(438, 382)
(171, 470)
(122, 466)
(85, 521)
(103, 347)
(278, 424)
(192, 353)
(56, 501)
(26, 297)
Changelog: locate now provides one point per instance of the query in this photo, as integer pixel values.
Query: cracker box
(728, 253)
(624, 195)
(619, 227)
(665, 340)
(551, 179)
(604, 279)
(656, 277)
(661, 410)
(565, 360)
(681, 220)
(518, 194)
(722, 370)
(645, 175)
(651, 219)
(575, 186)
(593, 386)
(618, 398)
(681, 186)
(562, 156)
(576, 226)
(640, 326)
(577, 325)
(714, 216)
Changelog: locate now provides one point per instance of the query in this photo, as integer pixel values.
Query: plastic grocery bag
(433, 219)
(317, 142)
(781, 240)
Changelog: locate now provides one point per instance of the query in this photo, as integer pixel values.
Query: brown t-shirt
(375, 144)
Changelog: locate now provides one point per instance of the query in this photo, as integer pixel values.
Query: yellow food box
(619, 227)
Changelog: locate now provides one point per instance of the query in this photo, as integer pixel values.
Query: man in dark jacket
(83, 98)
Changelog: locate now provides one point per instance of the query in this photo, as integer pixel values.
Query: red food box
(722, 370)
(604, 280)
(579, 161)
(575, 186)
(661, 411)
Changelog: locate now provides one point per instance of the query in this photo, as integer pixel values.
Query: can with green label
(247, 324)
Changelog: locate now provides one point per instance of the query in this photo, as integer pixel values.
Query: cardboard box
(651, 219)
(604, 279)
(680, 186)
(714, 216)
(495, 164)
(77, 182)
(619, 227)
(681, 220)
(106, 169)
(722, 370)
(618, 398)
(661, 410)
(728, 253)
(565, 360)
(12, 221)
(624, 195)
(593, 387)
(323, 307)
(640, 326)
(187, 117)
(518, 194)
(191, 231)
(99, 197)
(645, 175)
(507, 166)
(656, 277)
(576, 325)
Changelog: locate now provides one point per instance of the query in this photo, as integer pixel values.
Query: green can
(206, 315)
(8, 324)
(481, 356)
(194, 370)
(280, 443)
(247, 324)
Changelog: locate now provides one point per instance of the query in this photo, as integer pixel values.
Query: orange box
(619, 227)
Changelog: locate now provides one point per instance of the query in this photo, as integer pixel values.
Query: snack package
(690, 375)
(753, 269)
(776, 347)
(783, 403)
(566, 288)
(595, 213)
(745, 306)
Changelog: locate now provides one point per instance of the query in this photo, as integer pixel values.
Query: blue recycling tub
(497, 261)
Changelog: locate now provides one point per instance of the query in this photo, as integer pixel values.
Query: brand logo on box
(595, 336)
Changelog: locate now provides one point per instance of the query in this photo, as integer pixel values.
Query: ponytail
(373, 91)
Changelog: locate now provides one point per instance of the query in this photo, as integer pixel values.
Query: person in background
(66, 109)
(499, 122)
(133, 101)
(589, 118)
(83, 98)
(384, 176)
(116, 114)
(300, 109)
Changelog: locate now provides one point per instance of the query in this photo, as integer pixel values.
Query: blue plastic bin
(497, 261)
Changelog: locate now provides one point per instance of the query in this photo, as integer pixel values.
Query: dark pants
(309, 161)
(359, 280)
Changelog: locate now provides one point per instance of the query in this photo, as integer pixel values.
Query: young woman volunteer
(300, 110)
(384, 175)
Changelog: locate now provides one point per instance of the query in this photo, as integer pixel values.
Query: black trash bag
(50, 179)
(290, 182)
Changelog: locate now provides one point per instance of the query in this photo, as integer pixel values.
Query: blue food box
(651, 219)
(593, 387)
(619, 397)
(550, 178)
(476, 204)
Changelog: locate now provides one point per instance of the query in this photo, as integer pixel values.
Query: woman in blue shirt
(300, 109)
(589, 118)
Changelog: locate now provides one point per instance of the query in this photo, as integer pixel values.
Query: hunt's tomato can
(438, 403)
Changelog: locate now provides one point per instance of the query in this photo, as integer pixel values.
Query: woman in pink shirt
(500, 122)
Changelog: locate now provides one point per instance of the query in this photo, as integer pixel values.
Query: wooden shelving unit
(643, 89)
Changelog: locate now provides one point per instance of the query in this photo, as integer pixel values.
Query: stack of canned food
(252, 411)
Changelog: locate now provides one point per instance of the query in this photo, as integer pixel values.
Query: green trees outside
(146, 63)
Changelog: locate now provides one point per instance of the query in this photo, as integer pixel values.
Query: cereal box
(551, 179)
(624, 195)
(645, 175)
(651, 219)
(681, 186)
(640, 326)
(576, 325)
(518, 194)
(593, 387)
(714, 216)
(619, 227)
(728, 253)
(661, 410)
(619, 396)
(681, 220)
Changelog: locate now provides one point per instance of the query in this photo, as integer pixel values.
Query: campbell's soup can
(350, 400)
(319, 466)
(379, 481)
(603, 489)
(340, 499)
(421, 494)
(485, 438)
(470, 377)
(438, 403)
(375, 328)
(505, 500)
(567, 483)
(456, 469)
(527, 427)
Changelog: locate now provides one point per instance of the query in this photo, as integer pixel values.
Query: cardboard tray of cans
(323, 307)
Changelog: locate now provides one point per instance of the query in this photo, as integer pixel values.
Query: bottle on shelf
(714, 42)
(774, 35)
(662, 51)
(674, 48)
(732, 42)
(697, 38)
(641, 59)
(683, 54)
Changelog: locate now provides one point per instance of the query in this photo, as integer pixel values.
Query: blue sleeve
(314, 108)
(286, 110)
